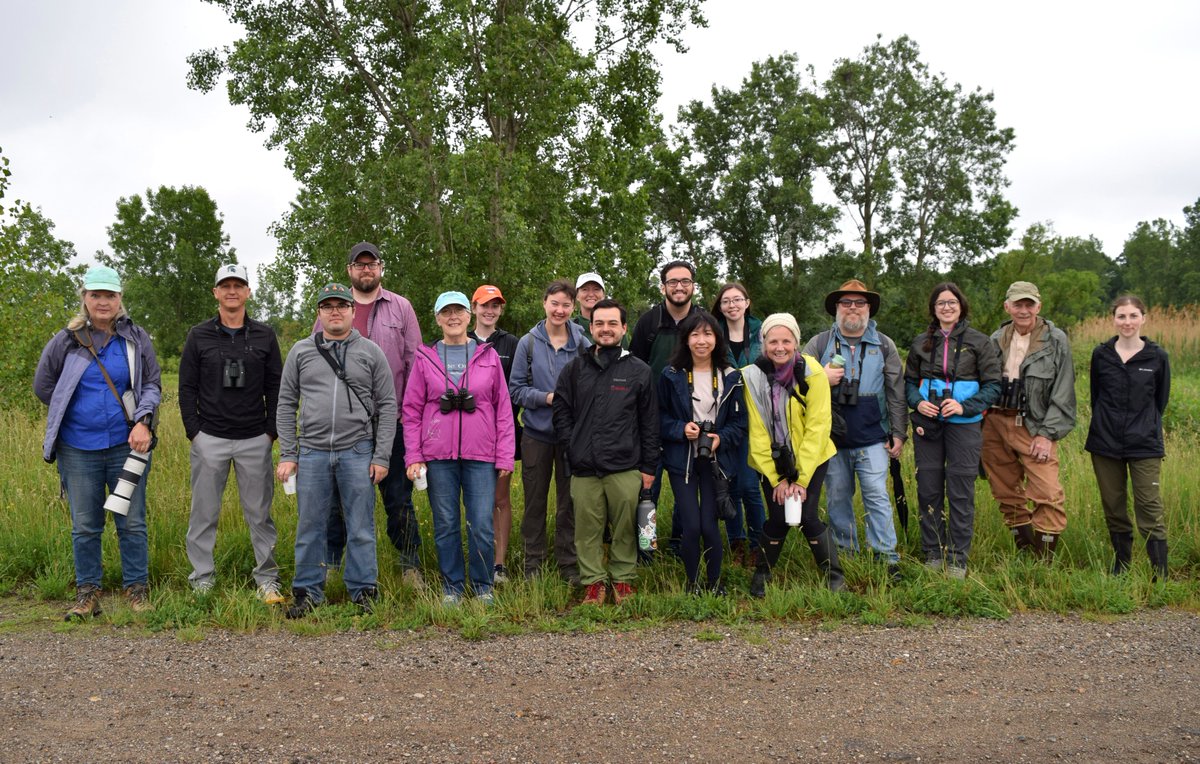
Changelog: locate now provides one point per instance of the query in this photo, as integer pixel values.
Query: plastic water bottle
(647, 521)
(837, 361)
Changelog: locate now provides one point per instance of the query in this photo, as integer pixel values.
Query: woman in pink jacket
(458, 429)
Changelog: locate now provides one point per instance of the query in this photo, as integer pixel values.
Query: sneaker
(451, 600)
(595, 595)
(487, 599)
(302, 604)
(499, 575)
(622, 591)
(87, 603)
(139, 597)
(934, 564)
(413, 579)
(956, 571)
(894, 574)
(366, 599)
(267, 593)
(200, 588)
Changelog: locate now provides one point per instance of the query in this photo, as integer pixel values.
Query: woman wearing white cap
(101, 380)
(790, 414)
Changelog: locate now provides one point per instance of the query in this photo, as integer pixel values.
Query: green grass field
(36, 570)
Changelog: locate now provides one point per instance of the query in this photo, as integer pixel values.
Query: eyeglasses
(373, 265)
(329, 307)
(729, 301)
(846, 302)
(679, 282)
(947, 303)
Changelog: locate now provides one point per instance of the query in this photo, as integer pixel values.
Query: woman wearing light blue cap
(101, 380)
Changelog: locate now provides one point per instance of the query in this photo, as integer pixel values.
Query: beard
(852, 325)
(366, 282)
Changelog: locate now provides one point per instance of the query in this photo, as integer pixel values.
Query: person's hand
(647, 481)
(835, 374)
(951, 407)
(691, 431)
(140, 438)
(927, 408)
(801, 491)
(285, 470)
(781, 492)
(503, 473)
(549, 399)
(1040, 448)
(414, 470)
(378, 473)
(716, 442)
(896, 447)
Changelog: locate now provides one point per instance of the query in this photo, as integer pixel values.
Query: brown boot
(1044, 545)
(87, 603)
(1023, 537)
(739, 552)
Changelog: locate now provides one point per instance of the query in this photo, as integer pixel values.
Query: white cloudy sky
(94, 106)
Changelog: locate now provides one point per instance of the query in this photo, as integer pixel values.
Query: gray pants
(946, 470)
(251, 459)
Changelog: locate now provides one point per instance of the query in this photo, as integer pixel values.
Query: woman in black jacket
(1131, 383)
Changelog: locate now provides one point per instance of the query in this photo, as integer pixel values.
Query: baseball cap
(588, 277)
(363, 248)
(334, 291)
(487, 293)
(1023, 290)
(446, 299)
(232, 271)
(102, 278)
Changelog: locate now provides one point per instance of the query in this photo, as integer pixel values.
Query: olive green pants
(609, 500)
(1114, 477)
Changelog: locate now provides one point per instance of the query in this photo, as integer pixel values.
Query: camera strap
(854, 350)
(91, 346)
(716, 392)
(340, 371)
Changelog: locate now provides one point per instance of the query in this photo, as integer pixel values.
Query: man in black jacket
(228, 390)
(606, 417)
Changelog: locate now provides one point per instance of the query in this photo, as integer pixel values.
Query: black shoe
(1156, 550)
(366, 599)
(717, 589)
(301, 605)
(894, 574)
(1123, 549)
(758, 582)
(826, 554)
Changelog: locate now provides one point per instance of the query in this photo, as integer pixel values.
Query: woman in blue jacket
(703, 426)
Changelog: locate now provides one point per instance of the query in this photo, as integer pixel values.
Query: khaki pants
(609, 500)
(1027, 490)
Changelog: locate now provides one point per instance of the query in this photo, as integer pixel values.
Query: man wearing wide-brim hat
(867, 384)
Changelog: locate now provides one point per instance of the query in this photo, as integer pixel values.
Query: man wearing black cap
(388, 320)
(228, 390)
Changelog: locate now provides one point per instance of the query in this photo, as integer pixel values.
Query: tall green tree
(472, 140)
(1150, 262)
(918, 161)
(167, 249)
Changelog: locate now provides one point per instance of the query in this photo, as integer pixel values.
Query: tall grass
(36, 564)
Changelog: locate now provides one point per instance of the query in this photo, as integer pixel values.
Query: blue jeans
(85, 475)
(747, 498)
(324, 478)
(870, 464)
(475, 482)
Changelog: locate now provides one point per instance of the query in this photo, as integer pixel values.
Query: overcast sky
(94, 104)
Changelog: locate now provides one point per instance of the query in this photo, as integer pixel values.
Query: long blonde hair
(81, 318)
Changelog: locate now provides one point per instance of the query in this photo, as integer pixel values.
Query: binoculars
(458, 400)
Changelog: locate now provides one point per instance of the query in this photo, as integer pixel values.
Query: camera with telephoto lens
(1012, 394)
(235, 373)
(704, 442)
(131, 474)
(456, 400)
(847, 393)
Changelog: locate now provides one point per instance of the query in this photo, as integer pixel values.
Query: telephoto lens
(131, 474)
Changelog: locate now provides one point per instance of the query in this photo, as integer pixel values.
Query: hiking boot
(499, 575)
(451, 600)
(302, 604)
(268, 593)
(758, 582)
(87, 603)
(957, 572)
(622, 591)
(413, 579)
(595, 594)
(366, 599)
(934, 564)
(139, 598)
(571, 576)
(1044, 545)
(893, 572)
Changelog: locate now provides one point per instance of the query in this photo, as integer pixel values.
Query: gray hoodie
(535, 370)
(331, 417)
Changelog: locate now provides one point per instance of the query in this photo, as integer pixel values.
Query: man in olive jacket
(1021, 431)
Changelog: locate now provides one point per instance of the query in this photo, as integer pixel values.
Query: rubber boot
(1156, 550)
(826, 554)
(1044, 545)
(1123, 546)
(765, 557)
(1023, 537)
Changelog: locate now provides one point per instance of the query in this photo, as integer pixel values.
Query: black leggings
(776, 528)
(696, 518)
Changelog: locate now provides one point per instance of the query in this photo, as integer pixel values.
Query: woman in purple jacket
(458, 427)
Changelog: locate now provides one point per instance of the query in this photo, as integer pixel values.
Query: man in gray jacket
(341, 386)
(1021, 431)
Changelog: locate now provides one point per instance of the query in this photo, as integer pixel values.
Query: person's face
(588, 295)
(853, 312)
(453, 320)
(1128, 321)
(1024, 314)
(947, 308)
(232, 294)
(337, 317)
(607, 329)
(102, 305)
(365, 273)
(679, 287)
(701, 341)
(558, 308)
(779, 344)
(488, 313)
(733, 305)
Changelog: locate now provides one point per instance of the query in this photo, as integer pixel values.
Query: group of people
(749, 426)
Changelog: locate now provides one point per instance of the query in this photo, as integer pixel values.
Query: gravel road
(1033, 688)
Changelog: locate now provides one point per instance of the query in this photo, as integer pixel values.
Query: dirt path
(1034, 688)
